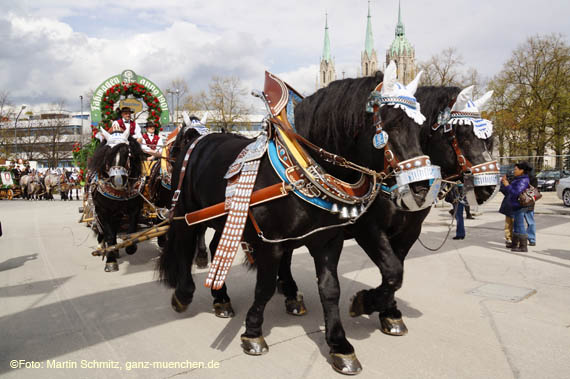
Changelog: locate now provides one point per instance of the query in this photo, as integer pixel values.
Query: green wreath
(113, 95)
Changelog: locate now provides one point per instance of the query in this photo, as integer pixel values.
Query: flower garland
(113, 95)
(81, 153)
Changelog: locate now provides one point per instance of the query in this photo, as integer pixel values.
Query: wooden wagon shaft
(140, 237)
(263, 195)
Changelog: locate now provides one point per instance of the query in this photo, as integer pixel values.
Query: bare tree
(5, 115)
(225, 99)
(56, 142)
(442, 69)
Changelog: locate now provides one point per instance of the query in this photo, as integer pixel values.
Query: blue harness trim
(280, 170)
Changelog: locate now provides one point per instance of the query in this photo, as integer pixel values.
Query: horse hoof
(201, 261)
(224, 310)
(393, 326)
(357, 304)
(111, 266)
(177, 305)
(131, 249)
(295, 307)
(254, 346)
(346, 364)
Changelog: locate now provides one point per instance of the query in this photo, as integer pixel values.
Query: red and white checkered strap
(233, 229)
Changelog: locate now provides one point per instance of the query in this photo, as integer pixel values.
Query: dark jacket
(505, 205)
(514, 189)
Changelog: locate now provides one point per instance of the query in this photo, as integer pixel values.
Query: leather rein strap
(327, 156)
(181, 176)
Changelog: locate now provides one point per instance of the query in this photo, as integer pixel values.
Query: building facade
(400, 51)
(47, 137)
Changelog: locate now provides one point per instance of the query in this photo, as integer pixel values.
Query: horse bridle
(118, 171)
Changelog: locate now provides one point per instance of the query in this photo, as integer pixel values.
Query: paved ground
(59, 309)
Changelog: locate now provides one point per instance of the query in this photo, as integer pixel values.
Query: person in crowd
(123, 123)
(456, 198)
(152, 142)
(508, 212)
(513, 189)
(529, 215)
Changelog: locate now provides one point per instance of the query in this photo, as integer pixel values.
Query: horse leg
(267, 261)
(294, 304)
(377, 246)
(180, 237)
(110, 228)
(133, 207)
(201, 259)
(222, 304)
(343, 358)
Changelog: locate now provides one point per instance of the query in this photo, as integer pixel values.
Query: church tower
(403, 53)
(327, 72)
(368, 59)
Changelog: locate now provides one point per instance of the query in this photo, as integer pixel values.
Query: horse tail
(176, 259)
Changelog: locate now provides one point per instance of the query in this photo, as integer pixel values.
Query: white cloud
(60, 49)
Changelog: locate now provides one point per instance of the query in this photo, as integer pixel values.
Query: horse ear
(105, 133)
(413, 85)
(389, 79)
(464, 96)
(186, 118)
(483, 99)
(204, 119)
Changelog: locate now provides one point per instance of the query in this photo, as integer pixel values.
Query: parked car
(563, 190)
(548, 179)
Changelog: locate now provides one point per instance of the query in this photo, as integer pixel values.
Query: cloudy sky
(61, 49)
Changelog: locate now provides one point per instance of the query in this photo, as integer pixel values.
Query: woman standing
(513, 191)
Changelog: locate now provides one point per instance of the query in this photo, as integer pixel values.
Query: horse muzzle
(482, 184)
(118, 176)
(410, 174)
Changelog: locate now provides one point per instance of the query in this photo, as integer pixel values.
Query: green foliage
(531, 102)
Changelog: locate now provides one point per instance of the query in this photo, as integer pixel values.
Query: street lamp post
(171, 92)
(15, 131)
(81, 99)
(177, 102)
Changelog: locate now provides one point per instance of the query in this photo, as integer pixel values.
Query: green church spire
(327, 44)
(369, 42)
(400, 31)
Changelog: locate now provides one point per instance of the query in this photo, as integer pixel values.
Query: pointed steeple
(369, 42)
(400, 30)
(402, 52)
(368, 59)
(327, 71)
(327, 44)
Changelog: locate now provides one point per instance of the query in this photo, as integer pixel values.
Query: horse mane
(186, 135)
(433, 100)
(337, 112)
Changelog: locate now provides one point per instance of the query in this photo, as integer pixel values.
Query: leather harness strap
(181, 176)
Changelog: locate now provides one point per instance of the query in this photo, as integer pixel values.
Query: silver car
(563, 190)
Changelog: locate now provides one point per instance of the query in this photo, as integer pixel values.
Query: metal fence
(539, 163)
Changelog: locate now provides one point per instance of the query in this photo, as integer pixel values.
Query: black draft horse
(345, 128)
(387, 234)
(118, 169)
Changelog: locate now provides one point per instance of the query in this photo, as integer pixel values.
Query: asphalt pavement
(473, 308)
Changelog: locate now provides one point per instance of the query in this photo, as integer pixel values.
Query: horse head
(118, 160)
(410, 178)
(459, 140)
